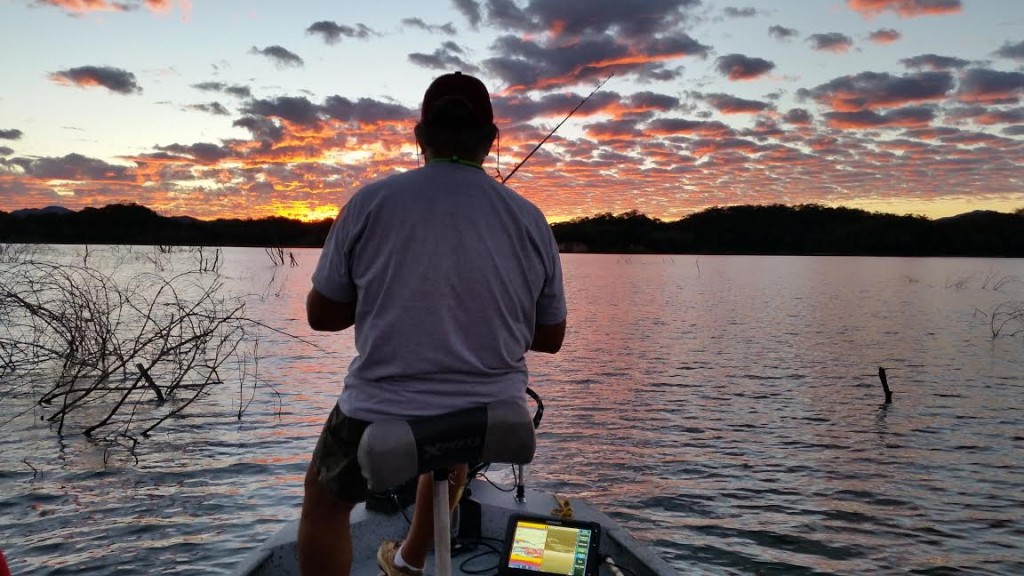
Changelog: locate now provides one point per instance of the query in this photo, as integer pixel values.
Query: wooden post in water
(149, 380)
(885, 385)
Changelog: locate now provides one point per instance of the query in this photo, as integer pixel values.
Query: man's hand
(326, 315)
(548, 338)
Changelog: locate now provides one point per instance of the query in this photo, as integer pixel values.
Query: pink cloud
(885, 36)
(83, 6)
(906, 8)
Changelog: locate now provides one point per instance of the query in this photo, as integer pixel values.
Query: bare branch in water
(276, 255)
(35, 471)
(1007, 319)
(93, 339)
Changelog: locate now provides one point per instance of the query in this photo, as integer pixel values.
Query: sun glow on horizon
(936, 208)
(306, 213)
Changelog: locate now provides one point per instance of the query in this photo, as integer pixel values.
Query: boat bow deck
(276, 556)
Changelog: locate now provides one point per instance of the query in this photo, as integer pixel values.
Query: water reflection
(725, 409)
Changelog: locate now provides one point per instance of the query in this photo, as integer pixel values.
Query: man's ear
(490, 133)
(421, 134)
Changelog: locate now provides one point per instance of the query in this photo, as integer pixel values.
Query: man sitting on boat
(449, 278)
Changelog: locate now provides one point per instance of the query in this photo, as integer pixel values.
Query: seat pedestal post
(521, 484)
(442, 527)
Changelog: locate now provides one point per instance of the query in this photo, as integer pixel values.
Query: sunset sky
(248, 109)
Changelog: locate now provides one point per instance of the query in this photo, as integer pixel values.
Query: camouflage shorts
(335, 458)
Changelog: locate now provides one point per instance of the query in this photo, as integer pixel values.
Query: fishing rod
(541, 143)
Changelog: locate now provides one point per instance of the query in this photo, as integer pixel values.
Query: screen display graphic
(550, 549)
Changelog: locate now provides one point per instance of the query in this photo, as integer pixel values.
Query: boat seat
(393, 451)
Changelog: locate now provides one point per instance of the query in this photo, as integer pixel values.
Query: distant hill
(135, 224)
(976, 215)
(772, 229)
(37, 211)
(803, 229)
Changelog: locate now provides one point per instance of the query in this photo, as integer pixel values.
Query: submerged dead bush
(1007, 319)
(101, 352)
(16, 252)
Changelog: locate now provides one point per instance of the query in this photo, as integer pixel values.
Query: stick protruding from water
(885, 385)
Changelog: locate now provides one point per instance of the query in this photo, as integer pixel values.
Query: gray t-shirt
(450, 271)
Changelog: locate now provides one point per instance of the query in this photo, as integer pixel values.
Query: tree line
(136, 224)
(806, 229)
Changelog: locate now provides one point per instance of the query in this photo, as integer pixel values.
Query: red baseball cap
(464, 87)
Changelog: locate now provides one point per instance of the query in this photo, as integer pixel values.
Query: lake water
(727, 410)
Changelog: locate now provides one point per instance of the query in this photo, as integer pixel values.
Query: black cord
(491, 550)
(540, 406)
(477, 470)
(489, 481)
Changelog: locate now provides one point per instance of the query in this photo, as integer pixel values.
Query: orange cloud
(906, 8)
(612, 129)
(870, 90)
(834, 42)
(727, 104)
(885, 36)
(704, 147)
(910, 117)
(992, 117)
(83, 6)
(681, 126)
(80, 6)
(601, 67)
(991, 86)
(740, 67)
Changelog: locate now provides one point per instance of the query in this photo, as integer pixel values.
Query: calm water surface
(726, 410)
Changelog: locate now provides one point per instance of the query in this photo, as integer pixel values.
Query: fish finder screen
(548, 549)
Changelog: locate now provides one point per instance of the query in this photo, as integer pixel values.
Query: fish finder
(540, 546)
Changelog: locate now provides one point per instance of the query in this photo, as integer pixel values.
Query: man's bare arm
(548, 338)
(326, 315)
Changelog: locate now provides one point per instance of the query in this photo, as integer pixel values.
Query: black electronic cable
(491, 550)
(499, 488)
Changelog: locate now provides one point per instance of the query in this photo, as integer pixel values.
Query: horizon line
(633, 211)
